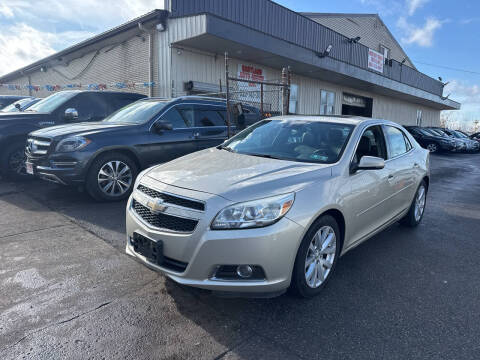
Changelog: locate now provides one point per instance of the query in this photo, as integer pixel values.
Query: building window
(385, 51)
(292, 105)
(419, 117)
(327, 102)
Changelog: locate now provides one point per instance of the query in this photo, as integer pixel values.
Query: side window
(173, 117)
(90, 107)
(396, 140)
(187, 114)
(371, 144)
(208, 117)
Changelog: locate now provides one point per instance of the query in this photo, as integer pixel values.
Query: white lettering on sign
(375, 60)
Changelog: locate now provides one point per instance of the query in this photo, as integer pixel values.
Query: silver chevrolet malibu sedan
(276, 206)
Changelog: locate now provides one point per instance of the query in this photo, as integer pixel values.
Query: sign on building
(375, 60)
(250, 91)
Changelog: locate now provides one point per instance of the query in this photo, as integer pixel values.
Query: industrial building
(340, 63)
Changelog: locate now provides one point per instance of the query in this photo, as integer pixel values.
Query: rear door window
(174, 117)
(397, 141)
(208, 116)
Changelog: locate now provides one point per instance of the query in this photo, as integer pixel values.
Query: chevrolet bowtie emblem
(156, 205)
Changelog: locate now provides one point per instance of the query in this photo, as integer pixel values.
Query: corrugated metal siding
(124, 62)
(275, 20)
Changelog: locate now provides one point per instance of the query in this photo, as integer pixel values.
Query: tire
(113, 168)
(433, 148)
(12, 162)
(413, 218)
(302, 284)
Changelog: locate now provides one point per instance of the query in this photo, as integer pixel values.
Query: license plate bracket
(152, 250)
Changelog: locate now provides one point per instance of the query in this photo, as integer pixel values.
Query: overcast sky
(440, 36)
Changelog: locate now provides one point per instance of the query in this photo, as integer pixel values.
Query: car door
(401, 167)
(369, 189)
(210, 128)
(166, 145)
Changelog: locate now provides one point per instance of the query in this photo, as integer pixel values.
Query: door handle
(415, 165)
(196, 134)
(390, 177)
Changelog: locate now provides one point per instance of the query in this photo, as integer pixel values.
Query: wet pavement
(69, 291)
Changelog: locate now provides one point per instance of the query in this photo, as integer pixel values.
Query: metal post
(227, 94)
(261, 99)
(289, 82)
(284, 92)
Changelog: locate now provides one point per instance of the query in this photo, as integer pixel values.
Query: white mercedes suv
(276, 205)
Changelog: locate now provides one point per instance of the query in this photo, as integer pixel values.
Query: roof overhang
(244, 43)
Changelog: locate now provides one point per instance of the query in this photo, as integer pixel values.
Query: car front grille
(172, 199)
(164, 221)
(37, 146)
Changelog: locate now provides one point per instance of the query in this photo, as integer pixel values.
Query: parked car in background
(431, 141)
(64, 107)
(470, 145)
(8, 99)
(276, 205)
(20, 105)
(106, 156)
(475, 136)
(460, 146)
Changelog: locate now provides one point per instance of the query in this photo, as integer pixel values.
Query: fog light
(244, 271)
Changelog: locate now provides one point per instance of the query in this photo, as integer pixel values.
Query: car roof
(339, 119)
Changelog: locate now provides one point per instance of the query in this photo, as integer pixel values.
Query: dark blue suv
(106, 156)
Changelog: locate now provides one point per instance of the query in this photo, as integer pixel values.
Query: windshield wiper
(220, 147)
(265, 156)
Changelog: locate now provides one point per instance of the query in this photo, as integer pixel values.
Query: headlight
(253, 214)
(73, 143)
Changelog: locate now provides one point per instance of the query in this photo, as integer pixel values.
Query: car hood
(81, 129)
(238, 177)
(23, 115)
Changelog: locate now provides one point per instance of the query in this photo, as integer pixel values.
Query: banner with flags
(93, 86)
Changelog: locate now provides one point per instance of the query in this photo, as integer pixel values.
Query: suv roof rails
(200, 97)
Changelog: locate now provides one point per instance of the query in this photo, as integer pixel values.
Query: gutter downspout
(150, 56)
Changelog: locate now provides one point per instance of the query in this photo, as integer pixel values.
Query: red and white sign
(249, 72)
(375, 60)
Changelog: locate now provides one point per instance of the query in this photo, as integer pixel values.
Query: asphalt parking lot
(69, 291)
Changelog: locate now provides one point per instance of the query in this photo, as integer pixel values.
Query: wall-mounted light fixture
(354, 40)
(404, 60)
(326, 52)
(43, 69)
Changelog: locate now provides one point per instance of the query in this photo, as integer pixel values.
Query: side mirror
(368, 163)
(71, 114)
(161, 126)
(18, 106)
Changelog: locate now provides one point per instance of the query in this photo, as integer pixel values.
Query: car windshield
(459, 134)
(424, 132)
(294, 140)
(439, 132)
(138, 112)
(52, 102)
(13, 108)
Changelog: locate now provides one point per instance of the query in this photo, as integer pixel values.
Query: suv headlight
(253, 214)
(72, 143)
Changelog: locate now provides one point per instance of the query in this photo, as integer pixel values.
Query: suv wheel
(111, 177)
(432, 147)
(417, 208)
(316, 257)
(13, 162)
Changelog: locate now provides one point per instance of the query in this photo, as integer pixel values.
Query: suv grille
(171, 199)
(38, 146)
(164, 221)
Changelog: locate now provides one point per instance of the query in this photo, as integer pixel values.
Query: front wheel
(432, 147)
(316, 257)
(13, 162)
(417, 208)
(111, 177)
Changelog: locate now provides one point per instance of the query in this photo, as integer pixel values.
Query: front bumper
(273, 248)
(65, 169)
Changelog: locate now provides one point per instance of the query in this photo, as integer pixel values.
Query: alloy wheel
(432, 148)
(16, 163)
(420, 203)
(320, 256)
(115, 178)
